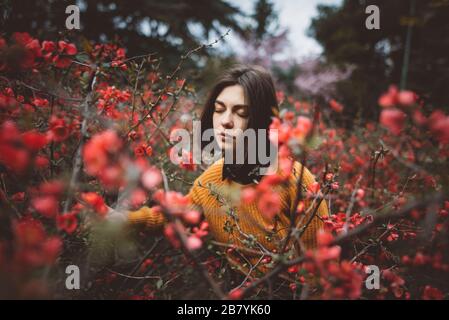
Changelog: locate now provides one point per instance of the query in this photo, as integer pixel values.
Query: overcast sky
(297, 16)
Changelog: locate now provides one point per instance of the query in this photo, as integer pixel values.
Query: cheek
(241, 123)
(216, 121)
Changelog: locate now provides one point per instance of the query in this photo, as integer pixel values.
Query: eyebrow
(236, 105)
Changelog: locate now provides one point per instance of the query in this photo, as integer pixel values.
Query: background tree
(378, 54)
(265, 18)
(171, 26)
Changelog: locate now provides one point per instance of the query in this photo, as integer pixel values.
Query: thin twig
(437, 197)
(172, 76)
(77, 163)
(351, 204)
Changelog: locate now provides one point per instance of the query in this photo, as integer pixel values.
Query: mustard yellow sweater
(243, 225)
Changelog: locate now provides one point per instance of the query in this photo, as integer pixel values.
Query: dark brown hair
(260, 96)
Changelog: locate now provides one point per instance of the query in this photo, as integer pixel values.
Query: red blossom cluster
(24, 53)
(110, 52)
(337, 222)
(52, 199)
(286, 131)
(100, 158)
(34, 247)
(338, 279)
(177, 205)
(398, 104)
(109, 101)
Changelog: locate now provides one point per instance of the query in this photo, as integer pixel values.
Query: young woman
(243, 98)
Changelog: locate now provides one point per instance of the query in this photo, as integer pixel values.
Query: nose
(227, 121)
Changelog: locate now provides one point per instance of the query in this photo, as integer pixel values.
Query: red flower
(149, 151)
(419, 118)
(314, 187)
(236, 294)
(18, 197)
(248, 195)
(301, 207)
(66, 48)
(35, 47)
(112, 176)
(187, 161)
(293, 269)
(151, 178)
(46, 205)
(431, 293)
(279, 132)
(97, 150)
(41, 162)
(48, 46)
(96, 202)
(269, 204)
(61, 62)
(138, 198)
(192, 217)
(439, 126)
(303, 127)
(393, 119)
(170, 234)
(202, 230)
(120, 53)
(389, 99)
(406, 98)
(326, 253)
(55, 188)
(22, 38)
(193, 243)
(40, 102)
(29, 232)
(13, 158)
(324, 238)
(394, 97)
(51, 249)
(337, 107)
(34, 140)
(67, 222)
(59, 131)
(176, 202)
(139, 151)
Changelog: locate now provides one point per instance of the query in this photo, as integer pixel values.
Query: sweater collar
(241, 173)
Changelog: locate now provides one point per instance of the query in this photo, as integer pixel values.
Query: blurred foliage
(140, 26)
(266, 18)
(378, 54)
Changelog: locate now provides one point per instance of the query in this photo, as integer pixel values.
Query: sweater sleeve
(147, 216)
(309, 235)
(154, 219)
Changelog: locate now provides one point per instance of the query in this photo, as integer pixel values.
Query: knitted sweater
(243, 225)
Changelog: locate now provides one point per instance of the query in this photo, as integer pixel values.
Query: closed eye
(219, 107)
(241, 110)
(243, 113)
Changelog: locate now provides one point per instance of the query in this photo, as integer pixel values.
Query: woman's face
(230, 114)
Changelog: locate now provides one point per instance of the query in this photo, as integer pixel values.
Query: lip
(225, 137)
(223, 134)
